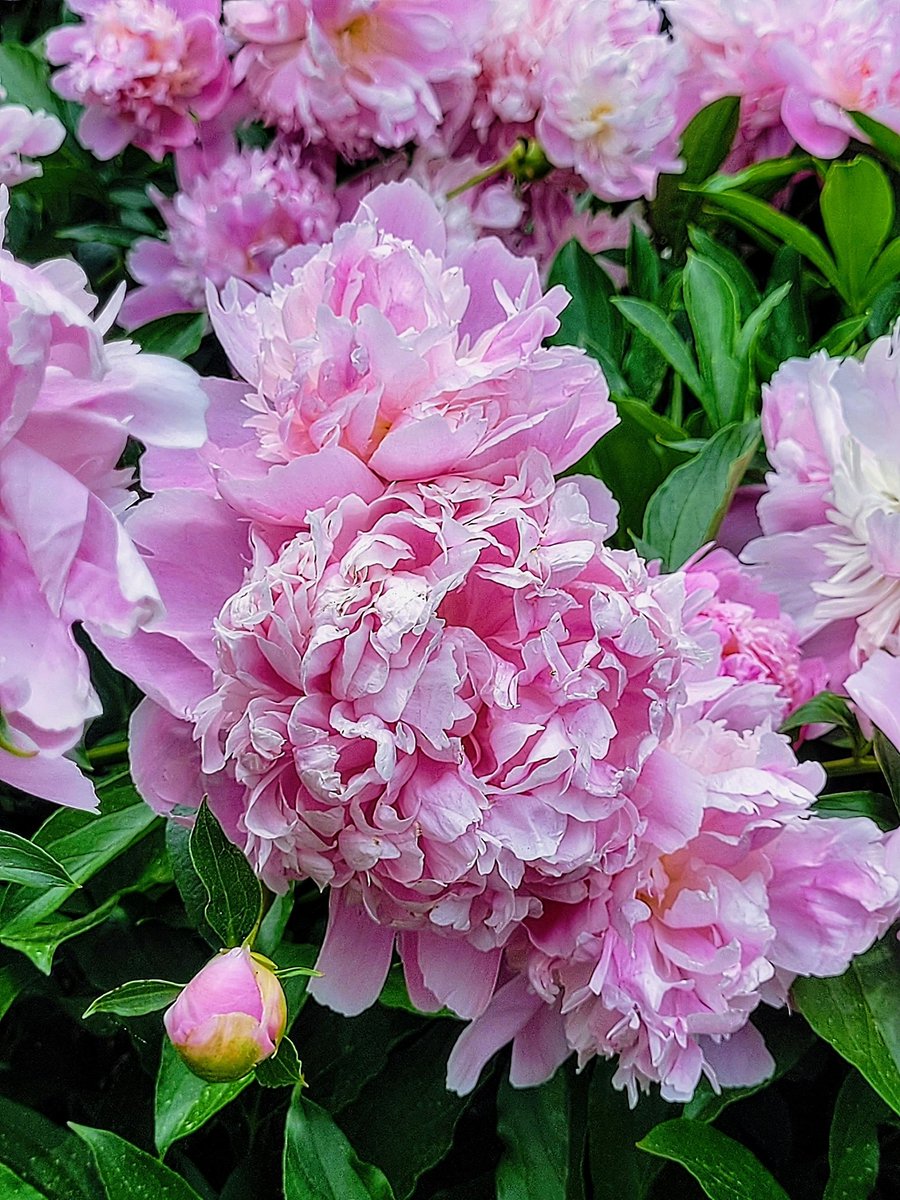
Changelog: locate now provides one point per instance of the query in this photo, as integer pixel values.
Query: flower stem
(852, 766)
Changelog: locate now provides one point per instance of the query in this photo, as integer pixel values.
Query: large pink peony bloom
(23, 135)
(356, 73)
(798, 72)
(831, 517)
(146, 70)
(68, 404)
(414, 361)
(609, 82)
(229, 223)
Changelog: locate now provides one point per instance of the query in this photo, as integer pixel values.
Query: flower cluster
(68, 404)
(402, 661)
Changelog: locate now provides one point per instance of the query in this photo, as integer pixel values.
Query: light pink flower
(146, 71)
(356, 73)
(415, 362)
(25, 134)
(229, 1018)
(231, 223)
(68, 404)
(874, 688)
(609, 83)
(830, 517)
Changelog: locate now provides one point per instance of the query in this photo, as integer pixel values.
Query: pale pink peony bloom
(68, 404)
(231, 223)
(831, 518)
(758, 645)
(23, 135)
(357, 73)
(229, 1018)
(875, 689)
(415, 361)
(609, 82)
(146, 71)
(798, 72)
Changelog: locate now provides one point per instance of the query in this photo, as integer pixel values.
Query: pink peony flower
(758, 645)
(357, 73)
(28, 134)
(68, 404)
(830, 517)
(230, 223)
(874, 689)
(415, 363)
(145, 70)
(229, 1018)
(608, 82)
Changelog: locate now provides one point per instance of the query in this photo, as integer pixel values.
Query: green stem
(851, 766)
(483, 176)
(110, 750)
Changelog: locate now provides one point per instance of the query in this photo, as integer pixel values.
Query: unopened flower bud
(230, 1017)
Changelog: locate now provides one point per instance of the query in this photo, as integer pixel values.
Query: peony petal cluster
(414, 360)
(25, 135)
(831, 517)
(231, 222)
(145, 70)
(358, 74)
(608, 81)
(68, 404)
(798, 73)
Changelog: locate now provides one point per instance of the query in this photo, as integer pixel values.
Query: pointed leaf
(724, 1168)
(185, 1103)
(534, 1127)
(319, 1162)
(129, 1173)
(713, 309)
(234, 908)
(23, 862)
(858, 211)
(136, 998)
(282, 1069)
(853, 1150)
(657, 329)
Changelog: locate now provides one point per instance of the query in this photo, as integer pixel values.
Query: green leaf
(283, 1069)
(129, 1173)
(136, 998)
(588, 320)
(319, 1162)
(884, 271)
(15, 976)
(234, 908)
(762, 177)
(841, 336)
(853, 1151)
(14, 1187)
(888, 757)
(644, 266)
(189, 884)
(858, 211)
(395, 995)
(826, 708)
(23, 862)
(713, 309)
(48, 1158)
(618, 1170)
(687, 508)
(874, 805)
(177, 336)
(656, 327)
(25, 76)
(410, 1092)
(40, 942)
(185, 1103)
(83, 843)
(858, 1015)
(882, 138)
(758, 319)
(704, 145)
(760, 215)
(533, 1125)
(743, 282)
(724, 1168)
(107, 235)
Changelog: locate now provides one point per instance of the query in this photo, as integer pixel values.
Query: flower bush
(448, 599)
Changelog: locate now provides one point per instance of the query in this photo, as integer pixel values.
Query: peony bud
(230, 1017)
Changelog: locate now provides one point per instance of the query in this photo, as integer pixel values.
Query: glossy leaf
(282, 1069)
(184, 1103)
(588, 320)
(619, 1171)
(129, 1173)
(136, 998)
(234, 907)
(23, 862)
(724, 1168)
(319, 1162)
(874, 805)
(858, 211)
(853, 1151)
(858, 1015)
(41, 941)
(713, 308)
(533, 1125)
(178, 335)
(882, 138)
(48, 1158)
(653, 323)
(684, 513)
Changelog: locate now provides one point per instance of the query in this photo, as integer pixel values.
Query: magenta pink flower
(609, 82)
(25, 134)
(229, 1018)
(68, 404)
(231, 223)
(146, 71)
(414, 362)
(357, 73)
(830, 517)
